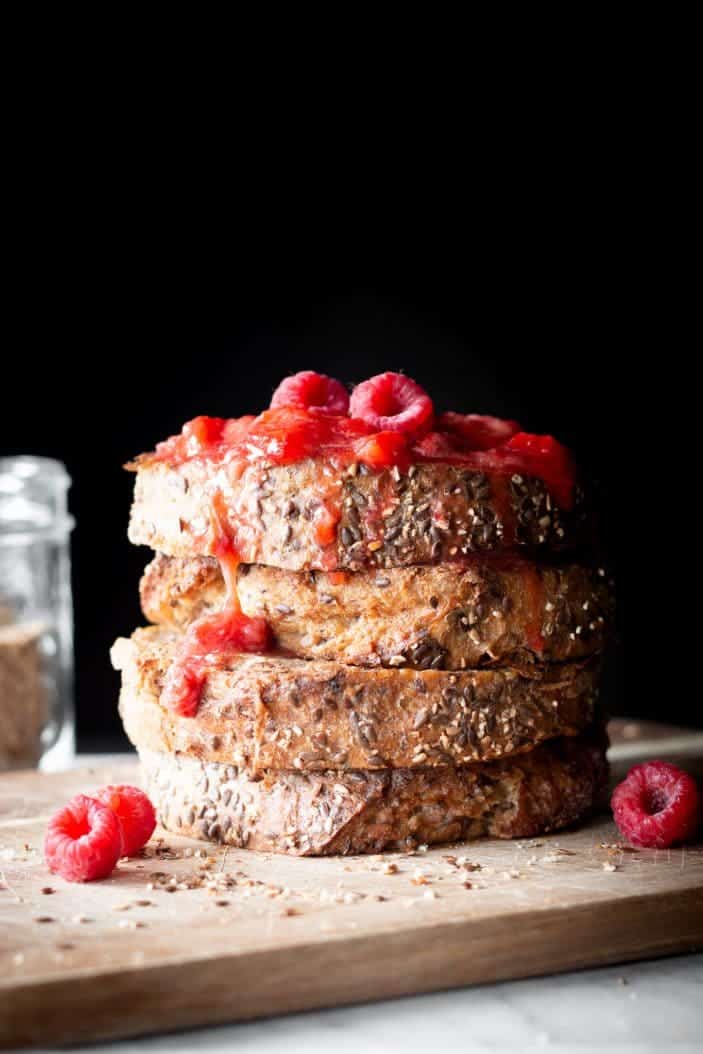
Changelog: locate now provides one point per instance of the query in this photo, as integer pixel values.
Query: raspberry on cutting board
(656, 805)
(134, 812)
(83, 840)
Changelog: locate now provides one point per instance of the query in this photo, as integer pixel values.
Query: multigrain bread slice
(263, 712)
(312, 515)
(437, 616)
(327, 813)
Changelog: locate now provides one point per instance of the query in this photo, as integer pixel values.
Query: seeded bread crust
(262, 712)
(332, 813)
(444, 616)
(310, 515)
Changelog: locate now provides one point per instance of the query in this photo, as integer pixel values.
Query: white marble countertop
(640, 1008)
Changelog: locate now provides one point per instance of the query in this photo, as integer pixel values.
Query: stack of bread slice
(431, 656)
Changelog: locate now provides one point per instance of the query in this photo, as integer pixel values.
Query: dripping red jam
(388, 422)
(206, 644)
(210, 639)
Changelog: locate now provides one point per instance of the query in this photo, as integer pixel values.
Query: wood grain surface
(174, 939)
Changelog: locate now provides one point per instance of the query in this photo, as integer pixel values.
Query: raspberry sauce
(285, 435)
(535, 606)
(390, 424)
(210, 640)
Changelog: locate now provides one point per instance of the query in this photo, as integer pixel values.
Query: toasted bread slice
(329, 813)
(311, 515)
(262, 712)
(441, 616)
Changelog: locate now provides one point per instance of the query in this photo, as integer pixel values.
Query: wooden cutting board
(174, 939)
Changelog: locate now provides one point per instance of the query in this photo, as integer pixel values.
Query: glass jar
(36, 615)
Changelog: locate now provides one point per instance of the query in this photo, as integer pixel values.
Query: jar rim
(25, 466)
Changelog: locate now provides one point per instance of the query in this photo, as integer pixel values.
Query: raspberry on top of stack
(373, 625)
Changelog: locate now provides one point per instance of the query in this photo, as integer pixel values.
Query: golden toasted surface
(366, 812)
(266, 712)
(310, 515)
(444, 616)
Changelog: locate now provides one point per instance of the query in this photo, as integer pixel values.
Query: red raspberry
(227, 631)
(202, 432)
(382, 449)
(535, 445)
(477, 431)
(134, 812)
(545, 457)
(391, 402)
(437, 445)
(83, 840)
(184, 685)
(314, 391)
(656, 805)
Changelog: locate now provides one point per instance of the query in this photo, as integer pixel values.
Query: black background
(106, 373)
